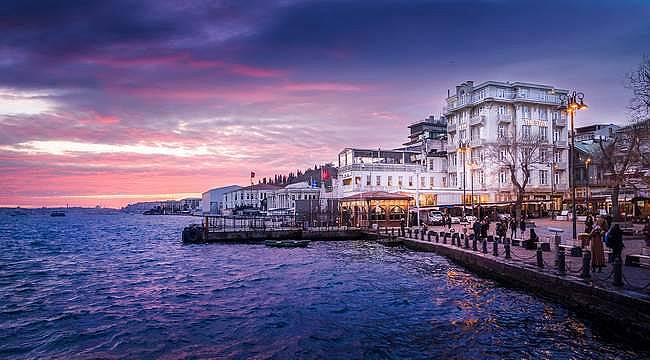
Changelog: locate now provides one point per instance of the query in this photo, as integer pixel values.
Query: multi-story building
(479, 115)
(285, 198)
(212, 200)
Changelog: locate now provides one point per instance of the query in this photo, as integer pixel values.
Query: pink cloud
(325, 86)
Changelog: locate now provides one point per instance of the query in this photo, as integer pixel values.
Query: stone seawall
(625, 315)
(252, 236)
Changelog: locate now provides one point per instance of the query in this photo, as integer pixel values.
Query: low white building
(250, 196)
(285, 198)
(212, 200)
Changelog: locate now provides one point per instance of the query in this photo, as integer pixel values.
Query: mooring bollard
(561, 261)
(485, 246)
(422, 235)
(466, 242)
(429, 236)
(392, 231)
(506, 247)
(453, 240)
(444, 238)
(409, 231)
(618, 272)
(540, 258)
(437, 234)
(586, 263)
(495, 248)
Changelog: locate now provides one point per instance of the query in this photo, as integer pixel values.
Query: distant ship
(57, 213)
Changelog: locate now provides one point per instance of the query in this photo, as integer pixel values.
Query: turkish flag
(324, 174)
(252, 174)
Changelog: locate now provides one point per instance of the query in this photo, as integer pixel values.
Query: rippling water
(115, 285)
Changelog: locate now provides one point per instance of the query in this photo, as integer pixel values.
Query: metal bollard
(618, 272)
(474, 241)
(421, 235)
(485, 246)
(495, 248)
(392, 231)
(586, 263)
(444, 238)
(409, 231)
(429, 236)
(437, 237)
(561, 261)
(466, 242)
(506, 247)
(453, 240)
(540, 258)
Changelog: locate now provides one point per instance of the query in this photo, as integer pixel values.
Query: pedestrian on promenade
(597, 250)
(522, 226)
(589, 224)
(476, 228)
(513, 227)
(615, 241)
(646, 232)
(484, 227)
(402, 225)
(448, 221)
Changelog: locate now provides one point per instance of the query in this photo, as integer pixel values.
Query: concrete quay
(624, 312)
(256, 236)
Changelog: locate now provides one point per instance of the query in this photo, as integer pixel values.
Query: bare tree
(519, 156)
(619, 158)
(639, 82)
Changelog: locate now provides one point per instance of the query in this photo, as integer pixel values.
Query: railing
(504, 117)
(451, 127)
(476, 142)
(561, 122)
(561, 143)
(476, 120)
(381, 167)
(218, 223)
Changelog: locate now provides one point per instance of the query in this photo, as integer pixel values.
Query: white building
(212, 200)
(250, 196)
(480, 114)
(285, 198)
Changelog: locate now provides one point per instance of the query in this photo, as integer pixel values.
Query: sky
(115, 102)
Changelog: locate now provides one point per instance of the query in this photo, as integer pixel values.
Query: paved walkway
(635, 279)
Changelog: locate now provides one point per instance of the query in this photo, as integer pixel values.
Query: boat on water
(287, 243)
(57, 214)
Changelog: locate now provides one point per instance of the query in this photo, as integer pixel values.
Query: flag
(252, 174)
(324, 174)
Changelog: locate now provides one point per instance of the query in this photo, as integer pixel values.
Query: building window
(390, 180)
(557, 177)
(422, 181)
(410, 181)
(525, 131)
(399, 181)
(543, 177)
(502, 177)
(501, 132)
(377, 213)
(525, 112)
(444, 181)
(481, 177)
(558, 156)
(368, 180)
(378, 178)
(431, 183)
(543, 133)
(397, 213)
(357, 180)
(556, 136)
(543, 114)
(542, 155)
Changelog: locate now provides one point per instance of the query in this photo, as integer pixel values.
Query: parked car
(435, 217)
(455, 219)
(470, 219)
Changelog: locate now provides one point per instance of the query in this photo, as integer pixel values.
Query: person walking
(476, 228)
(513, 228)
(484, 227)
(615, 241)
(589, 224)
(597, 250)
(448, 221)
(522, 226)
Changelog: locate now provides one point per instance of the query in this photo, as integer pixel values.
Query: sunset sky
(116, 102)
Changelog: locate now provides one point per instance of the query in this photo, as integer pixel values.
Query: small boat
(287, 243)
(57, 213)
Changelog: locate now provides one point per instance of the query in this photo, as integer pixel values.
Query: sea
(106, 284)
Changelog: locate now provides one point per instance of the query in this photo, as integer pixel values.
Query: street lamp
(574, 102)
(587, 163)
(463, 147)
(473, 166)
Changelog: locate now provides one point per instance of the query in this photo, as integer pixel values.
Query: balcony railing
(451, 127)
(561, 122)
(477, 120)
(476, 142)
(561, 143)
(504, 118)
(382, 167)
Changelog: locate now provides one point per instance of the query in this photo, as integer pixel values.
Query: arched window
(377, 213)
(397, 213)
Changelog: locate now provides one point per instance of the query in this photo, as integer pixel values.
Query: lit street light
(574, 102)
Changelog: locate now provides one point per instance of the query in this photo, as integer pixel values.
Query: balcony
(504, 118)
(451, 127)
(560, 166)
(476, 142)
(561, 122)
(477, 120)
(561, 143)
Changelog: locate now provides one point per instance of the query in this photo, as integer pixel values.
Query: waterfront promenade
(635, 279)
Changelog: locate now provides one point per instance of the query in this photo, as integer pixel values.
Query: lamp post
(574, 102)
(463, 147)
(472, 166)
(587, 163)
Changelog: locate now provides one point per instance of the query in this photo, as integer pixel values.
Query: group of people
(602, 232)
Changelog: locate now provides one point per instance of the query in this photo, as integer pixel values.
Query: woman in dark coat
(513, 228)
(615, 241)
(522, 225)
